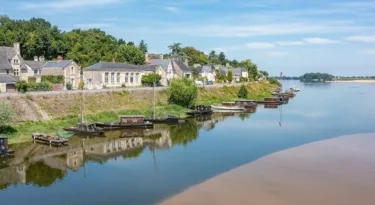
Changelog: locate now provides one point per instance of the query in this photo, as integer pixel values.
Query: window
(136, 78)
(126, 77)
(106, 78)
(16, 72)
(112, 78)
(71, 70)
(15, 61)
(8, 72)
(131, 77)
(35, 72)
(118, 77)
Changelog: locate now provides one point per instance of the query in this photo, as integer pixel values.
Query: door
(10, 88)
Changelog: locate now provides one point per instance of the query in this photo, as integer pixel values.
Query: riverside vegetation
(105, 107)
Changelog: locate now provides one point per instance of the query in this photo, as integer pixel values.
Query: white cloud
(260, 45)
(65, 4)
(368, 51)
(321, 41)
(92, 25)
(172, 9)
(366, 39)
(290, 43)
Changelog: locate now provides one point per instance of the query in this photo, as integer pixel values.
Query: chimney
(186, 62)
(60, 58)
(36, 58)
(113, 60)
(41, 58)
(147, 60)
(17, 48)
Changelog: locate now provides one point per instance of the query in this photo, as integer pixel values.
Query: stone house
(166, 64)
(12, 63)
(112, 75)
(68, 68)
(208, 72)
(181, 69)
(8, 83)
(35, 66)
(237, 73)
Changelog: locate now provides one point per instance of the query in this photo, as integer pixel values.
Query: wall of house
(127, 78)
(72, 74)
(16, 66)
(160, 71)
(170, 73)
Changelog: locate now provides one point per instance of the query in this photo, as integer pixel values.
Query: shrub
(31, 79)
(242, 93)
(22, 86)
(230, 76)
(150, 78)
(243, 79)
(6, 114)
(123, 85)
(54, 79)
(69, 86)
(43, 86)
(273, 81)
(183, 92)
(81, 85)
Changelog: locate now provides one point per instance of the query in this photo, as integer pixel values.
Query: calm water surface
(167, 160)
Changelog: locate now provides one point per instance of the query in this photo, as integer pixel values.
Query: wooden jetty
(48, 139)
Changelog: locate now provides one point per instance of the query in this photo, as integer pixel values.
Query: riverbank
(352, 81)
(337, 171)
(50, 113)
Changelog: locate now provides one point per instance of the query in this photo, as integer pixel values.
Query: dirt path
(339, 171)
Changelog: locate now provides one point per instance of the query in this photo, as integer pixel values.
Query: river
(169, 159)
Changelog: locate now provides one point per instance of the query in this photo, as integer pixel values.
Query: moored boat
(85, 128)
(227, 108)
(272, 100)
(200, 110)
(169, 119)
(127, 121)
(246, 103)
(48, 139)
(4, 149)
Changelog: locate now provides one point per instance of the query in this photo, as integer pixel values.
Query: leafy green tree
(150, 79)
(130, 43)
(264, 73)
(143, 46)
(230, 76)
(130, 54)
(121, 41)
(183, 92)
(195, 73)
(222, 58)
(273, 81)
(175, 48)
(243, 92)
(6, 114)
(234, 63)
(212, 55)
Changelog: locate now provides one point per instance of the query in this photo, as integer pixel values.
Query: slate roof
(205, 68)
(5, 78)
(109, 66)
(182, 66)
(57, 64)
(6, 54)
(163, 62)
(34, 64)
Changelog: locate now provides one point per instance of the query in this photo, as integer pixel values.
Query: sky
(289, 36)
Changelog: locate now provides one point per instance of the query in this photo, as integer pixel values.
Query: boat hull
(46, 139)
(124, 126)
(234, 108)
(199, 113)
(78, 131)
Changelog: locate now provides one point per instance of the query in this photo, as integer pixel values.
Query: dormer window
(15, 61)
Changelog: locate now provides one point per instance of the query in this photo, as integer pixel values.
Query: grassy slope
(22, 132)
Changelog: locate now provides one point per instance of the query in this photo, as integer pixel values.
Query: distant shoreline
(352, 81)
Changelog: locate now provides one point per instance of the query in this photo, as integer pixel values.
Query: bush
(183, 92)
(31, 79)
(43, 86)
(230, 76)
(54, 79)
(243, 92)
(150, 78)
(243, 79)
(69, 86)
(6, 114)
(273, 81)
(22, 86)
(81, 85)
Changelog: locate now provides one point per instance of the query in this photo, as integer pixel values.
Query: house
(181, 69)
(207, 71)
(166, 64)
(8, 83)
(35, 67)
(239, 73)
(68, 68)
(12, 63)
(111, 74)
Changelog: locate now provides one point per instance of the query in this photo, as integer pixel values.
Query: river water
(125, 168)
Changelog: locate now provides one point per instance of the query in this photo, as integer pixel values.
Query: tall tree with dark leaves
(222, 58)
(143, 46)
(131, 43)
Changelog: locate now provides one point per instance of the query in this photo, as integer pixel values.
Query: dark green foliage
(222, 58)
(130, 54)
(69, 86)
(243, 79)
(264, 73)
(31, 79)
(54, 79)
(22, 86)
(183, 92)
(230, 76)
(243, 92)
(42, 175)
(195, 73)
(43, 86)
(273, 81)
(317, 77)
(150, 79)
(143, 46)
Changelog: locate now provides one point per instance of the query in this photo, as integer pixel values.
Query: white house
(68, 68)
(208, 72)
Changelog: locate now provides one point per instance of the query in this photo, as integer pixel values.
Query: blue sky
(292, 36)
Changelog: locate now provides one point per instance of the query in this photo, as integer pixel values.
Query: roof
(205, 68)
(239, 71)
(109, 66)
(34, 64)
(182, 66)
(223, 71)
(5, 78)
(6, 54)
(163, 62)
(57, 64)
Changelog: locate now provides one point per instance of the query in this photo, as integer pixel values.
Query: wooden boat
(169, 119)
(200, 110)
(271, 106)
(85, 128)
(48, 139)
(273, 100)
(245, 103)
(127, 121)
(229, 106)
(4, 149)
(63, 134)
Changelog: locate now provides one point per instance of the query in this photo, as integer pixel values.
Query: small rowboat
(231, 108)
(48, 139)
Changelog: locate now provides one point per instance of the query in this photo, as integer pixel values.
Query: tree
(120, 41)
(264, 73)
(183, 92)
(143, 46)
(195, 73)
(243, 92)
(253, 72)
(130, 54)
(212, 55)
(222, 58)
(130, 43)
(234, 63)
(175, 48)
(150, 79)
(6, 114)
(230, 76)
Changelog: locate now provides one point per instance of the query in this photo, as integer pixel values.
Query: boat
(228, 106)
(85, 128)
(63, 134)
(4, 149)
(245, 103)
(272, 100)
(48, 139)
(127, 121)
(200, 110)
(169, 119)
